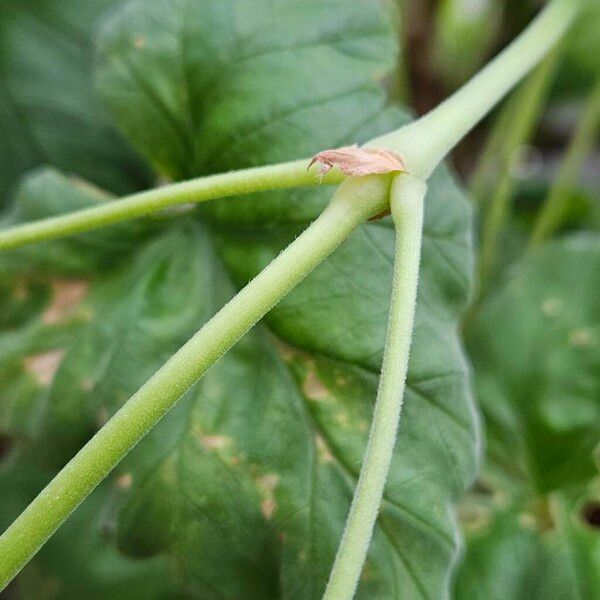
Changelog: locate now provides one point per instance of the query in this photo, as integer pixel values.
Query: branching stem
(424, 143)
(355, 201)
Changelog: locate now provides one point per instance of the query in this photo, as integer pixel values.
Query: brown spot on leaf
(139, 41)
(286, 351)
(267, 507)
(323, 450)
(580, 338)
(356, 161)
(268, 482)
(474, 518)
(66, 297)
(313, 388)
(44, 366)
(552, 307)
(527, 521)
(215, 442)
(266, 486)
(342, 419)
(124, 481)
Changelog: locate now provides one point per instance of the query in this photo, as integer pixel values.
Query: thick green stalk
(406, 200)
(424, 143)
(554, 209)
(524, 114)
(245, 181)
(356, 200)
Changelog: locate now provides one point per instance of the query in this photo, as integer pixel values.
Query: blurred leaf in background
(533, 524)
(49, 112)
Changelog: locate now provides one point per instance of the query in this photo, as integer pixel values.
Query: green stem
(524, 113)
(552, 214)
(356, 200)
(406, 199)
(245, 181)
(424, 143)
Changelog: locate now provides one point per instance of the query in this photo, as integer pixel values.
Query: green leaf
(48, 110)
(246, 484)
(81, 560)
(582, 62)
(518, 547)
(137, 317)
(536, 351)
(533, 526)
(216, 84)
(86, 350)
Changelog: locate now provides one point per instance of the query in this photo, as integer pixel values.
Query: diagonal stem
(552, 215)
(425, 143)
(357, 200)
(201, 189)
(406, 200)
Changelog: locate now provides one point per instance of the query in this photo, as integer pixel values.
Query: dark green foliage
(243, 490)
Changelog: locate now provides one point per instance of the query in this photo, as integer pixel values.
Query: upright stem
(356, 200)
(512, 128)
(406, 199)
(524, 114)
(553, 211)
(244, 181)
(424, 143)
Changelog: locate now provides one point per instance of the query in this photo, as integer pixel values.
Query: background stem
(355, 201)
(244, 181)
(424, 143)
(523, 113)
(407, 210)
(553, 212)
(512, 128)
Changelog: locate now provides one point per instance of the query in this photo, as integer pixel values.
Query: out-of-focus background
(531, 174)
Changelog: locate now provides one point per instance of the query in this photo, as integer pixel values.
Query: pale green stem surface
(406, 198)
(244, 181)
(523, 114)
(424, 143)
(553, 212)
(356, 200)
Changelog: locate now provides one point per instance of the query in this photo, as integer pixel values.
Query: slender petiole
(356, 200)
(201, 189)
(406, 199)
